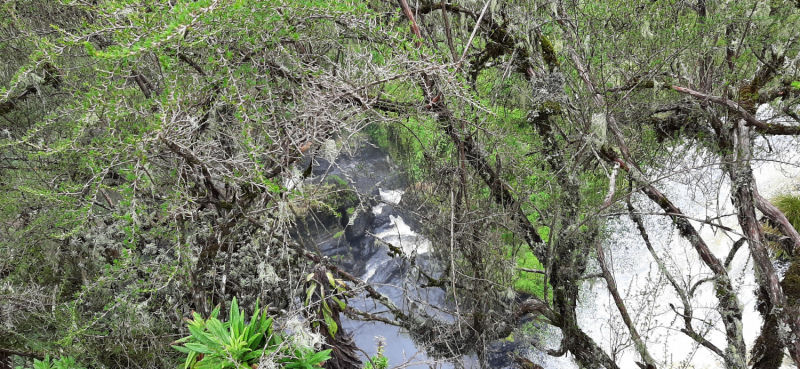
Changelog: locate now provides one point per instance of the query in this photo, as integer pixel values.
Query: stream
(370, 171)
(362, 250)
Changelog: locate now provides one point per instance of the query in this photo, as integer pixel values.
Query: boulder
(379, 220)
(321, 166)
(360, 224)
(366, 247)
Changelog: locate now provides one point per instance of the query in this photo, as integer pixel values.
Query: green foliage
(306, 359)
(415, 144)
(532, 283)
(791, 282)
(337, 180)
(150, 153)
(64, 362)
(380, 361)
(233, 344)
(789, 204)
(527, 330)
(778, 250)
(321, 295)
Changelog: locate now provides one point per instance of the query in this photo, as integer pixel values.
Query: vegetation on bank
(789, 204)
(148, 152)
(414, 146)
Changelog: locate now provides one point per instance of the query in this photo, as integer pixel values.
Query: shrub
(65, 362)
(232, 344)
(380, 361)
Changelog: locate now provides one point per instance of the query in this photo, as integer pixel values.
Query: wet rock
(389, 271)
(366, 247)
(361, 223)
(333, 246)
(359, 267)
(320, 166)
(344, 261)
(383, 218)
(501, 354)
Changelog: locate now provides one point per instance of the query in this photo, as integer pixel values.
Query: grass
(790, 206)
(531, 283)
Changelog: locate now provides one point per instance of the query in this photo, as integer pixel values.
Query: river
(698, 188)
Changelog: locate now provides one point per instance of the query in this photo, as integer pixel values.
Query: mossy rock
(791, 282)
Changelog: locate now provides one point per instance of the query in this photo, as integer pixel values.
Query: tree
(608, 63)
(151, 148)
(146, 153)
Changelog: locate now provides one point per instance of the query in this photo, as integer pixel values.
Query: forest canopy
(172, 178)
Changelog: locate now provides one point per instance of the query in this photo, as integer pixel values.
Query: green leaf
(216, 328)
(236, 319)
(182, 349)
(190, 359)
(252, 328)
(254, 341)
(215, 312)
(309, 292)
(257, 354)
(266, 325)
(182, 340)
(319, 357)
(200, 335)
(196, 347)
(213, 362)
(297, 365)
(342, 304)
(44, 364)
(275, 339)
(234, 313)
(331, 279)
(332, 327)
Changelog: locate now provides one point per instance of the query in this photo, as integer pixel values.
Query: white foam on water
(399, 234)
(371, 269)
(391, 196)
(702, 194)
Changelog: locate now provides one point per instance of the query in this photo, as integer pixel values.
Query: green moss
(549, 107)
(748, 94)
(334, 179)
(415, 145)
(548, 53)
(791, 282)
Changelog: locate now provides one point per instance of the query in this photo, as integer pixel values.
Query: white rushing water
(699, 188)
(396, 233)
(386, 274)
(391, 196)
(701, 192)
